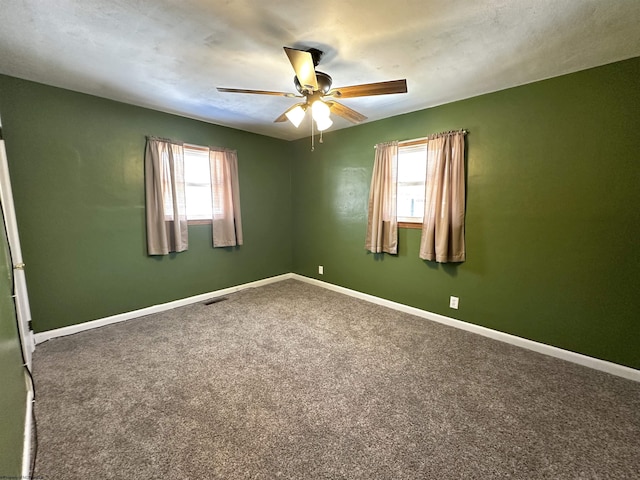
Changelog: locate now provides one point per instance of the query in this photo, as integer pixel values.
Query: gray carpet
(293, 381)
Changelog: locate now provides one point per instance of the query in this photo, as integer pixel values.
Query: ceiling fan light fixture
(320, 110)
(295, 115)
(323, 123)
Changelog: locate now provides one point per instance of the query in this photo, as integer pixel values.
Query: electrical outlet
(453, 302)
(320, 269)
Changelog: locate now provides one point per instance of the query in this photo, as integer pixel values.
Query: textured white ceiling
(170, 55)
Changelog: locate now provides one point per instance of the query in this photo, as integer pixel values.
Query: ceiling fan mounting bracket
(316, 55)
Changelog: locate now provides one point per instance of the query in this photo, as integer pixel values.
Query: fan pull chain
(321, 137)
(312, 140)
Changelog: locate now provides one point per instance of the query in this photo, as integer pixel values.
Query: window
(197, 179)
(182, 176)
(412, 174)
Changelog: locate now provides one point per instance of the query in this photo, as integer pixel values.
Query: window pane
(412, 166)
(412, 169)
(198, 202)
(198, 184)
(410, 201)
(196, 166)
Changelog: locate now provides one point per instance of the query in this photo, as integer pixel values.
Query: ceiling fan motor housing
(324, 83)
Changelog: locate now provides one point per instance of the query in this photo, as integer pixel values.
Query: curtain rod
(417, 141)
(206, 148)
(222, 149)
(162, 139)
(191, 145)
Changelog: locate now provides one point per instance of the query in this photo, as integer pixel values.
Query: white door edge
(21, 297)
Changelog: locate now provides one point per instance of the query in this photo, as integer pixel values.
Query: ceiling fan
(315, 87)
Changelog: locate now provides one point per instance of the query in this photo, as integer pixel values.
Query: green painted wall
(552, 222)
(76, 163)
(13, 392)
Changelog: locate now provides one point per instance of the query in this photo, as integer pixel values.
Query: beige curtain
(382, 225)
(166, 208)
(225, 187)
(443, 227)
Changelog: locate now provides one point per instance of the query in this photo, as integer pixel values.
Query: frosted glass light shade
(323, 123)
(319, 110)
(295, 116)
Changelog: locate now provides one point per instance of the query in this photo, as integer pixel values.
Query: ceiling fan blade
(346, 112)
(283, 117)
(259, 92)
(302, 63)
(366, 89)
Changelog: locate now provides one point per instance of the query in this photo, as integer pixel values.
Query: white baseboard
(591, 362)
(26, 446)
(121, 317)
